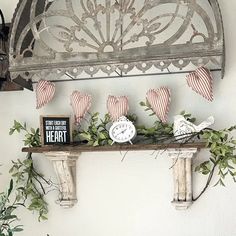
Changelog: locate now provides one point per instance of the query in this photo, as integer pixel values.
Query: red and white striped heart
(80, 103)
(159, 99)
(117, 107)
(45, 91)
(201, 82)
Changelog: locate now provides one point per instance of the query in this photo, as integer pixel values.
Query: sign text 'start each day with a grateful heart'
(55, 130)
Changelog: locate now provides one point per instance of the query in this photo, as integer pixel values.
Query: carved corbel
(182, 176)
(64, 164)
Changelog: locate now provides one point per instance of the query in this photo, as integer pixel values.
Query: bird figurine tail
(209, 121)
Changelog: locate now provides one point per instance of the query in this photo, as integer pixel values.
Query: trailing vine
(7, 213)
(28, 185)
(221, 146)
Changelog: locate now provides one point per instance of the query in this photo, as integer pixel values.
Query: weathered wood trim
(125, 147)
(64, 164)
(182, 176)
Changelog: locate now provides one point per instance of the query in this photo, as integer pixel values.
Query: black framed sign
(55, 130)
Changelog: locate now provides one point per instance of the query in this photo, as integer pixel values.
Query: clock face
(122, 131)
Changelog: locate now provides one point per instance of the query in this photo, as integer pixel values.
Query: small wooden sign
(55, 130)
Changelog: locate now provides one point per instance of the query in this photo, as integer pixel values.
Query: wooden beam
(125, 147)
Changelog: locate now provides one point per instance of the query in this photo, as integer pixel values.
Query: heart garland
(159, 99)
(45, 91)
(117, 106)
(201, 82)
(80, 103)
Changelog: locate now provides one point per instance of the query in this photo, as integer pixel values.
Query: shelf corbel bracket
(64, 164)
(182, 176)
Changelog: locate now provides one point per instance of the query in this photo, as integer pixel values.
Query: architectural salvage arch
(89, 39)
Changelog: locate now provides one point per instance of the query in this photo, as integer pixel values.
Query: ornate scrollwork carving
(115, 37)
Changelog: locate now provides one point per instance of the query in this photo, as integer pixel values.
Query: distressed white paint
(189, 191)
(129, 198)
(182, 173)
(64, 164)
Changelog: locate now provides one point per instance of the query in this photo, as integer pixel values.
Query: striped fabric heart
(201, 82)
(80, 103)
(45, 91)
(159, 100)
(117, 107)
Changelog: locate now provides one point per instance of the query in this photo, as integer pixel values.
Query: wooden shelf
(64, 159)
(125, 147)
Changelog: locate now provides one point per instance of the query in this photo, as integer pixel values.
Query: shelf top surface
(111, 148)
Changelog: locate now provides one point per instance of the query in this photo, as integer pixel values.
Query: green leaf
(27, 162)
(17, 228)
(43, 218)
(205, 172)
(213, 160)
(32, 130)
(213, 146)
(10, 188)
(232, 128)
(222, 183)
(192, 120)
(152, 114)
(143, 104)
(90, 142)
(234, 142)
(96, 143)
(11, 131)
(9, 232)
(102, 135)
(9, 217)
(85, 136)
(234, 160)
(110, 142)
(230, 167)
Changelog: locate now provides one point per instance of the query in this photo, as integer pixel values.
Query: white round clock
(122, 130)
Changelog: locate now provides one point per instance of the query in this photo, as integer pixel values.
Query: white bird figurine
(183, 126)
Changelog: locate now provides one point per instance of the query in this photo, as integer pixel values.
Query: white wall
(130, 198)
